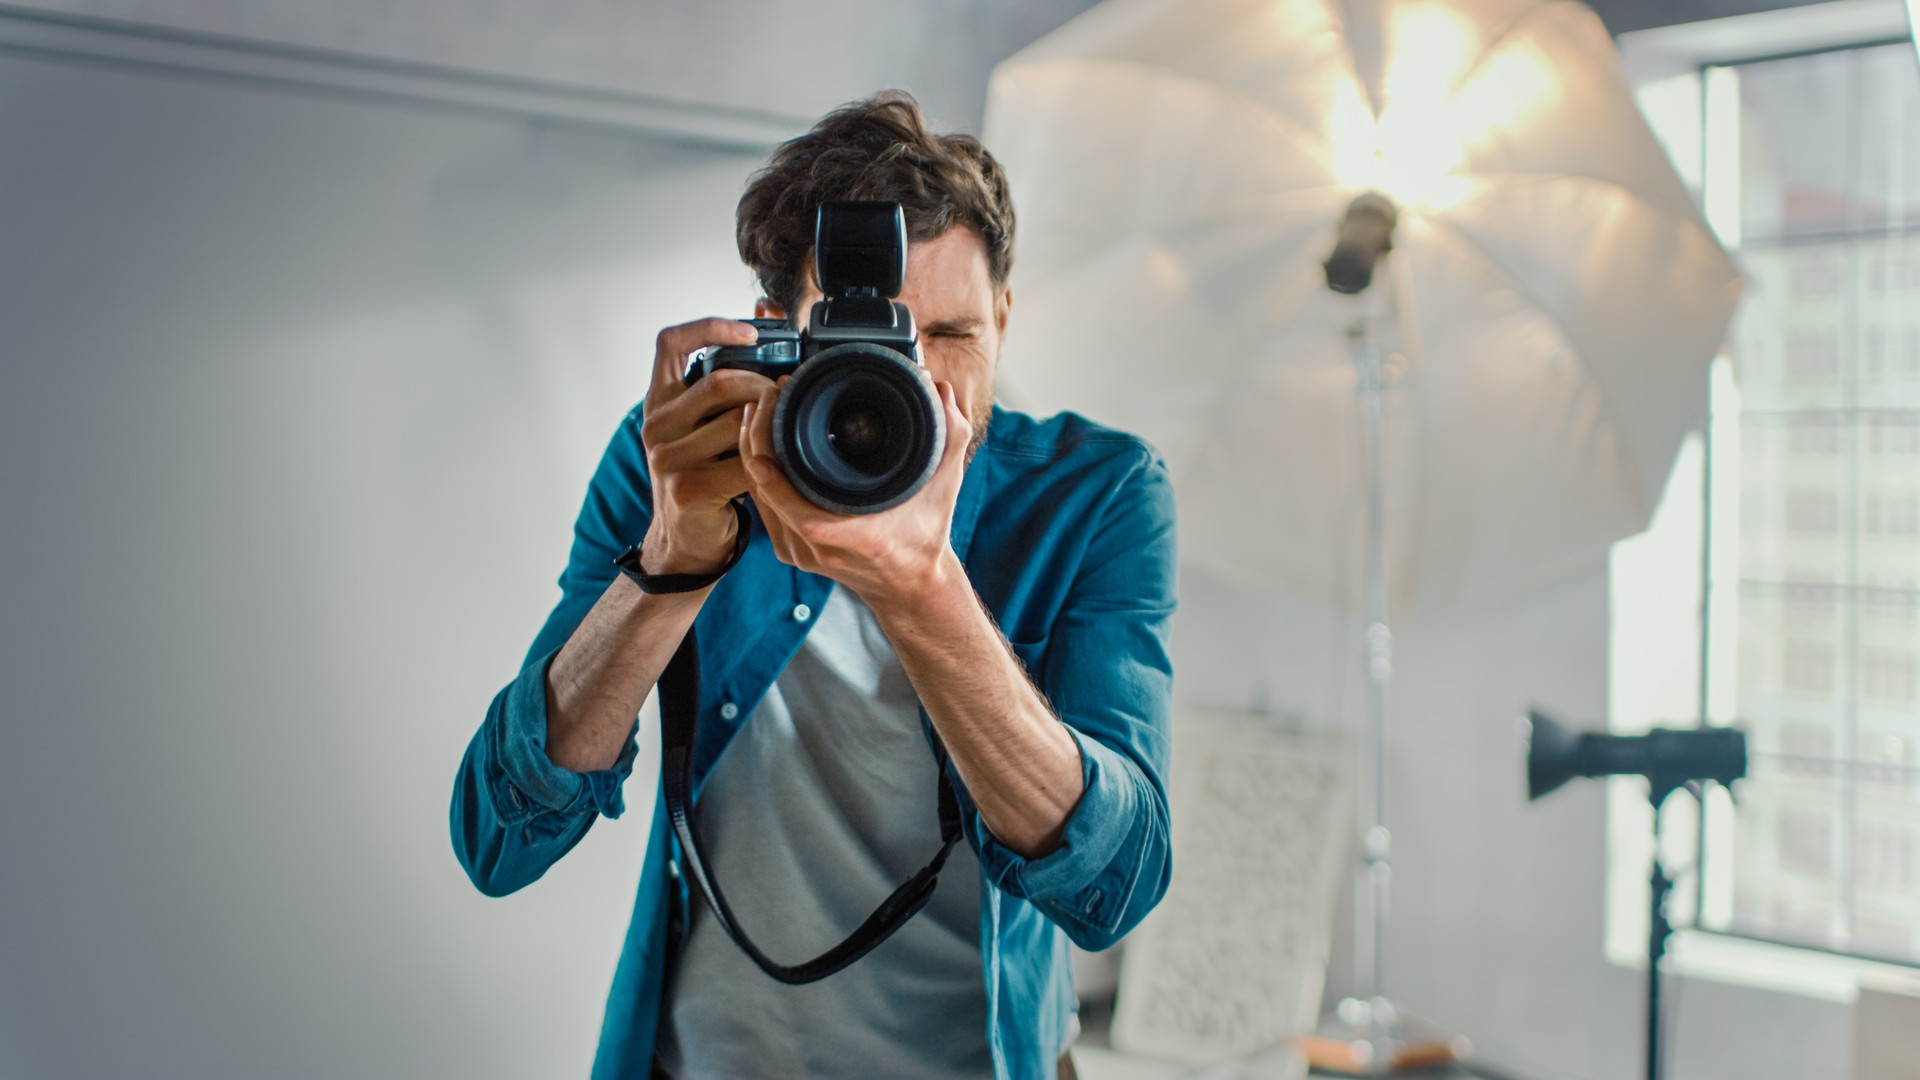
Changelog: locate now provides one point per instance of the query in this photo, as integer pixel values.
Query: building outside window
(1800, 508)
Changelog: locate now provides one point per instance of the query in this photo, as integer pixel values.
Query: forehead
(947, 275)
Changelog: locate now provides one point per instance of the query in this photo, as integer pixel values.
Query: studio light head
(1366, 233)
(1668, 759)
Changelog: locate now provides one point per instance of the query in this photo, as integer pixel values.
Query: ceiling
(785, 60)
(1625, 16)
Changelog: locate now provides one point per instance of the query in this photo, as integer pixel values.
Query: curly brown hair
(878, 149)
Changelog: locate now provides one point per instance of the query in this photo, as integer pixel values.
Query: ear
(764, 308)
(1002, 309)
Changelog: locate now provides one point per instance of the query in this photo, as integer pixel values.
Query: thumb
(959, 428)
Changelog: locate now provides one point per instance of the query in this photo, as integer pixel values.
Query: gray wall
(786, 57)
(298, 397)
(298, 394)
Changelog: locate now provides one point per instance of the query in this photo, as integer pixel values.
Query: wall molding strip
(131, 44)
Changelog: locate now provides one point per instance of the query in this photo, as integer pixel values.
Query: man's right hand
(692, 438)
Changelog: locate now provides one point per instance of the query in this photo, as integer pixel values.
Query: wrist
(698, 550)
(922, 589)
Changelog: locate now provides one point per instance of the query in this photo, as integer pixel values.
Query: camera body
(859, 427)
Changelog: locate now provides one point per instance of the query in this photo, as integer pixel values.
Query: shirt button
(801, 613)
(729, 710)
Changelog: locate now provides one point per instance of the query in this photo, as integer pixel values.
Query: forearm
(1016, 758)
(599, 679)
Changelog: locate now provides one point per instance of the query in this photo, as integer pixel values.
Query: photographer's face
(962, 318)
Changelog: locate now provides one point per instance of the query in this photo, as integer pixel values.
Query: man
(1017, 608)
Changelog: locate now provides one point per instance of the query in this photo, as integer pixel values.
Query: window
(1806, 842)
(1813, 511)
(1812, 355)
(1813, 435)
(1806, 669)
(1806, 495)
(1890, 676)
(1893, 439)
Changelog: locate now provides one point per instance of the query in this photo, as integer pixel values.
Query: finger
(725, 389)
(959, 429)
(676, 343)
(789, 538)
(772, 492)
(770, 517)
(721, 480)
(702, 445)
(792, 517)
(687, 410)
(756, 438)
(951, 473)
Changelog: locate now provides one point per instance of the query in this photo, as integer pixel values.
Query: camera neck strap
(679, 711)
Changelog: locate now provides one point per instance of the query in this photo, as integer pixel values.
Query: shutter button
(729, 710)
(801, 613)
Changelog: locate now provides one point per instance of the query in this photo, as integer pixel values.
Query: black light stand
(1658, 931)
(1670, 760)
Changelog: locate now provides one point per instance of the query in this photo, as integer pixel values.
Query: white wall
(298, 397)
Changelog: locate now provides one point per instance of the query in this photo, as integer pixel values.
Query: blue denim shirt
(1067, 533)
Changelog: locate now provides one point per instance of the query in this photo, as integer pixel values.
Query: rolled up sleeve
(1107, 672)
(526, 782)
(514, 812)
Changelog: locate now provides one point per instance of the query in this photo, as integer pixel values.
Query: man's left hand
(888, 558)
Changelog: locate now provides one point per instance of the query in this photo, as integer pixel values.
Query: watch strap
(656, 584)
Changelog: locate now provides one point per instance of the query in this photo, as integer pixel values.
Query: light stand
(1658, 931)
(1368, 1034)
(1670, 760)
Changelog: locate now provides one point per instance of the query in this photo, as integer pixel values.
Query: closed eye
(953, 328)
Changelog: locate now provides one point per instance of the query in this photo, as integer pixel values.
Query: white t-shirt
(821, 805)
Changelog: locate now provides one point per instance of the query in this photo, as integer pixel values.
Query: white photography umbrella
(1504, 402)
(1180, 167)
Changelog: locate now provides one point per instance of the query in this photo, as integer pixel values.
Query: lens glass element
(864, 431)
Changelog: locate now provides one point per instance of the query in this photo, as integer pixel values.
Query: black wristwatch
(629, 562)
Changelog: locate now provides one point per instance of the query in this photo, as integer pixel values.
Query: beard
(979, 414)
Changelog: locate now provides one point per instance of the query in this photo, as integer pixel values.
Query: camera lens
(859, 429)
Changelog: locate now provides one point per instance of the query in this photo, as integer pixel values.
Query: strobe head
(1366, 233)
(1668, 759)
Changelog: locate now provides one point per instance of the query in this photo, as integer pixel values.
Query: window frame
(1692, 830)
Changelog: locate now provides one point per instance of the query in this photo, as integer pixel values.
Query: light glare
(1441, 98)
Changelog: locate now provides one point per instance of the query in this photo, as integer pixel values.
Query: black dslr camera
(859, 427)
